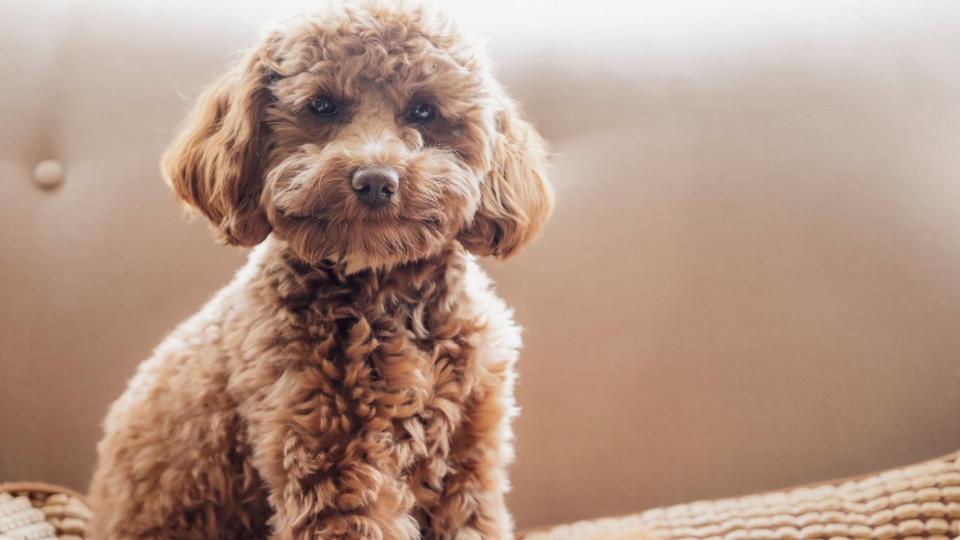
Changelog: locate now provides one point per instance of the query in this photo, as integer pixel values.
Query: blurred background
(752, 278)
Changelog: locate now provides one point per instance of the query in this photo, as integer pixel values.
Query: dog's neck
(299, 283)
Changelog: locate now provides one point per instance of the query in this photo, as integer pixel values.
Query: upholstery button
(48, 174)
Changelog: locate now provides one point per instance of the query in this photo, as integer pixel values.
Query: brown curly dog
(355, 380)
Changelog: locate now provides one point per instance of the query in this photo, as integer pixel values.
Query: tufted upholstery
(751, 280)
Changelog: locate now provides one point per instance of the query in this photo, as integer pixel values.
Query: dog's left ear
(516, 197)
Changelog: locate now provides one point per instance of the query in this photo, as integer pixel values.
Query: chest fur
(372, 369)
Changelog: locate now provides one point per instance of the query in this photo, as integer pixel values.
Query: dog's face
(368, 135)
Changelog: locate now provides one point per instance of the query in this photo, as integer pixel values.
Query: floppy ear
(515, 198)
(214, 163)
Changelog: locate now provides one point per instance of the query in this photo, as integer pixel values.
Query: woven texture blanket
(33, 511)
(920, 501)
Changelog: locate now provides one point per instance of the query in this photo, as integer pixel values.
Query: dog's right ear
(214, 163)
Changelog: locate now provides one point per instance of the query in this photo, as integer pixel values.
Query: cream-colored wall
(752, 278)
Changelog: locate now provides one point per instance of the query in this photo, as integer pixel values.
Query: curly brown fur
(355, 380)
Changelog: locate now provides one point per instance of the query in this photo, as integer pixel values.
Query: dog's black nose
(375, 186)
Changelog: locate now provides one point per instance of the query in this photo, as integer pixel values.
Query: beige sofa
(752, 278)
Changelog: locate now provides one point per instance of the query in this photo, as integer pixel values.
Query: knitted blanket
(917, 502)
(34, 511)
(920, 501)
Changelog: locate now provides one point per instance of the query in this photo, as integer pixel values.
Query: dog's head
(366, 134)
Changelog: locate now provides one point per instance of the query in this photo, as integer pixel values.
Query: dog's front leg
(328, 478)
(336, 492)
(472, 505)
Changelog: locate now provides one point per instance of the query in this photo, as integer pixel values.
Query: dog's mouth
(333, 216)
(331, 202)
(374, 236)
(313, 206)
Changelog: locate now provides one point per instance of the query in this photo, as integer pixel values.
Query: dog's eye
(422, 113)
(324, 106)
